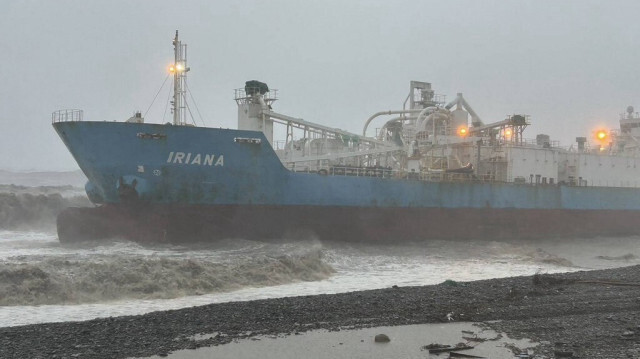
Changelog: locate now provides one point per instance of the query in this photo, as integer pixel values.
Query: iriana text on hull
(432, 169)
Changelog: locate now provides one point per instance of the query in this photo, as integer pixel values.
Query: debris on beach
(460, 355)
(440, 348)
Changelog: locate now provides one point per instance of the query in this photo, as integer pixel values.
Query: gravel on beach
(590, 314)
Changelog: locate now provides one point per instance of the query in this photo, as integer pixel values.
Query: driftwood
(449, 349)
(460, 355)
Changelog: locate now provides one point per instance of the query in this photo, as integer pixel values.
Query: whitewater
(42, 280)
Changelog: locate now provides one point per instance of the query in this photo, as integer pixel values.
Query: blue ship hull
(177, 183)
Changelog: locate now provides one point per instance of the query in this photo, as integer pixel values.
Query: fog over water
(571, 65)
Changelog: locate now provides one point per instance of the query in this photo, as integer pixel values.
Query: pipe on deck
(381, 113)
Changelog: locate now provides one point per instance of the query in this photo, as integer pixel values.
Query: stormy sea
(42, 280)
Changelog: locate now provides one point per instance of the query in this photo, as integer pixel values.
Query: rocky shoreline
(591, 314)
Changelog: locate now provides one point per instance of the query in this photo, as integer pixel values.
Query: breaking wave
(63, 281)
(542, 256)
(522, 252)
(625, 257)
(21, 209)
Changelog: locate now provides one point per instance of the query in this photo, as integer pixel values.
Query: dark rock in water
(381, 338)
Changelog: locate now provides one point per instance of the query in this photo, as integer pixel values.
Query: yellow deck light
(463, 131)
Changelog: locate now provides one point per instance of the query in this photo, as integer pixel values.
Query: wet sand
(594, 314)
(406, 341)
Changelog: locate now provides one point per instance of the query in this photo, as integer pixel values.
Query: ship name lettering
(195, 159)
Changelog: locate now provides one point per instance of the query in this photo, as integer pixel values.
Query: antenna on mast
(179, 70)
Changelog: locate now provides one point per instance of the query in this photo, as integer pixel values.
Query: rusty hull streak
(181, 223)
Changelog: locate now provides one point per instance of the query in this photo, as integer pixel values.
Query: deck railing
(382, 172)
(69, 115)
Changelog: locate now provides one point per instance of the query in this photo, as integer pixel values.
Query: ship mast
(179, 70)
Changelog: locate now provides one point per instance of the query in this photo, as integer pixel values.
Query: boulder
(381, 338)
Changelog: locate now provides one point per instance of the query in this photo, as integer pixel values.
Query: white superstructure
(431, 139)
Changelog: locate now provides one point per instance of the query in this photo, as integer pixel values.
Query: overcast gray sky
(571, 65)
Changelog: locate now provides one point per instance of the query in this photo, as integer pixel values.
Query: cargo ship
(431, 169)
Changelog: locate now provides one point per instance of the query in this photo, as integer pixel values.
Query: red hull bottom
(179, 224)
